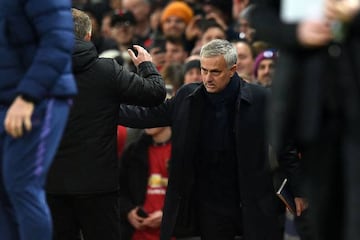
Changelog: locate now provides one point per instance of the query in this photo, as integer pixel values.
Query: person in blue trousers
(36, 86)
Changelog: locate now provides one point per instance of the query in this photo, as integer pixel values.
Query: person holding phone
(143, 184)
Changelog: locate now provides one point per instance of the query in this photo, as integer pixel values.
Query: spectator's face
(245, 61)
(193, 75)
(155, 19)
(139, 8)
(211, 34)
(245, 28)
(106, 27)
(175, 53)
(173, 27)
(265, 72)
(123, 33)
(215, 74)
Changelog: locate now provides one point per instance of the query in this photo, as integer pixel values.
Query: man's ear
(88, 37)
(233, 70)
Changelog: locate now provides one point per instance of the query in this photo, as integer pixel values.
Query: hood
(84, 55)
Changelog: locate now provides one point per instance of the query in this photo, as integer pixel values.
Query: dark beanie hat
(192, 64)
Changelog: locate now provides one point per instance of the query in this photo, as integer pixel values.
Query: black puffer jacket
(86, 161)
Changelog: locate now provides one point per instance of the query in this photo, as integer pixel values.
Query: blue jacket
(36, 42)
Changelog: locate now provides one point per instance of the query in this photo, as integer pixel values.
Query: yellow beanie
(178, 9)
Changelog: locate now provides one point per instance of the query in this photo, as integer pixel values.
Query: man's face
(123, 33)
(215, 74)
(173, 26)
(175, 53)
(245, 62)
(211, 34)
(265, 72)
(193, 75)
(139, 8)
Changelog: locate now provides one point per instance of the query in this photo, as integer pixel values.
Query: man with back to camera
(82, 186)
(36, 41)
(220, 184)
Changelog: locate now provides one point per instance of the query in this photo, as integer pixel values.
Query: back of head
(82, 24)
(220, 47)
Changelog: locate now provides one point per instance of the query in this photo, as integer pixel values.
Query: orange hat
(178, 9)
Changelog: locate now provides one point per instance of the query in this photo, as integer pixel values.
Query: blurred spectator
(105, 28)
(245, 30)
(316, 99)
(192, 71)
(143, 184)
(141, 10)
(211, 30)
(221, 12)
(158, 51)
(115, 5)
(264, 67)
(174, 18)
(245, 60)
(173, 75)
(123, 31)
(175, 51)
(238, 6)
(260, 46)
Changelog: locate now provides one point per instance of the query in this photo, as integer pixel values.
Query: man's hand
(142, 55)
(343, 10)
(313, 33)
(18, 117)
(301, 205)
(154, 220)
(135, 220)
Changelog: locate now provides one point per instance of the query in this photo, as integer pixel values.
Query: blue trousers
(24, 163)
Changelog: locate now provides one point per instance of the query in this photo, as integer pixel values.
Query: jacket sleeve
(144, 89)
(53, 24)
(146, 117)
(292, 168)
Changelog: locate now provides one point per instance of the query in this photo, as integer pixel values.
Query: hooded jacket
(86, 161)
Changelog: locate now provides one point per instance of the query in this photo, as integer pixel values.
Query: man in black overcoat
(220, 184)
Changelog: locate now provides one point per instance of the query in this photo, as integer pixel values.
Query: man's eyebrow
(211, 70)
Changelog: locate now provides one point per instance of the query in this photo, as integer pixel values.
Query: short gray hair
(82, 23)
(219, 47)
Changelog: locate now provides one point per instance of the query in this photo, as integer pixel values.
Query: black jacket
(184, 113)
(86, 161)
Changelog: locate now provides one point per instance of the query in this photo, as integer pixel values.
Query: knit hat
(192, 64)
(178, 9)
(267, 54)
